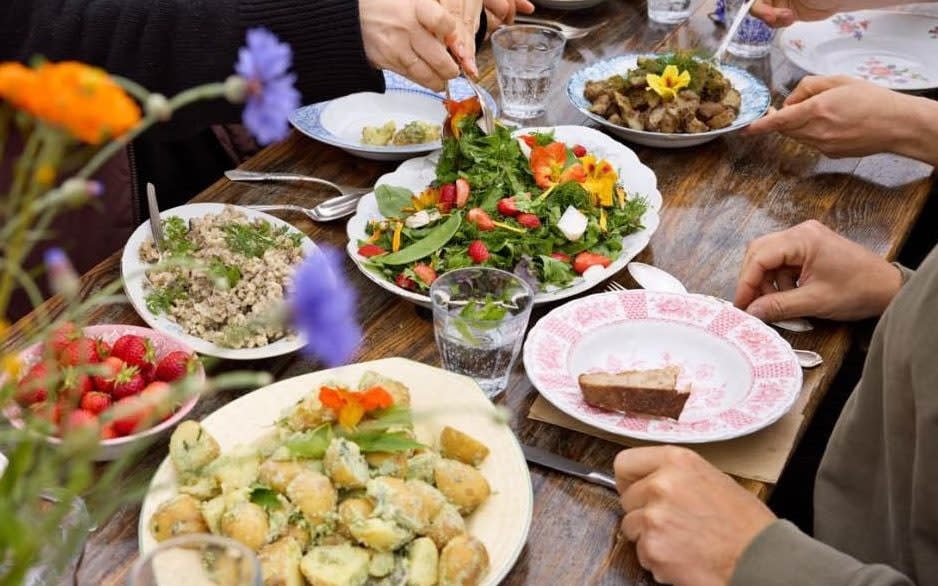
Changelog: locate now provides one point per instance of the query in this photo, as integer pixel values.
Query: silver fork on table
(806, 358)
(569, 32)
(331, 209)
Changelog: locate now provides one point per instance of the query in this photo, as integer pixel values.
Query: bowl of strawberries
(114, 378)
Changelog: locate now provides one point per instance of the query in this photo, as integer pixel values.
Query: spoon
(731, 31)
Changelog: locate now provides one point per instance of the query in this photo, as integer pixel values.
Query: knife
(567, 466)
(156, 223)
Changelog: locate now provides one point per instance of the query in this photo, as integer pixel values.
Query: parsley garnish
(161, 300)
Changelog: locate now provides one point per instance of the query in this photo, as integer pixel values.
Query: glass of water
(526, 58)
(668, 11)
(753, 38)
(479, 318)
(197, 560)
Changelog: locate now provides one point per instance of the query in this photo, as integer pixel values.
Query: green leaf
(310, 444)
(219, 270)
(175, 237)
(555, 272)
(384, 419)
(265, 497)
(161, 300)
(392, 200)
(543, 138)
(385, 442)
(489, 310)
(433, 241)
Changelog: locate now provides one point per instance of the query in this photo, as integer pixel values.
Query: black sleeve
(171, 45)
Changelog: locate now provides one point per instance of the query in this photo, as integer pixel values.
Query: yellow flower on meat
(669, 82)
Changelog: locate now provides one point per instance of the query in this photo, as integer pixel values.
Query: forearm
(917, 130)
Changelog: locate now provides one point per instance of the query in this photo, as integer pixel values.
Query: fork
(316, 214)
(242, 175)
(806, 358)
(569, 32)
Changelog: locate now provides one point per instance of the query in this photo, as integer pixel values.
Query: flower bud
(158, 106)
(62, 276)
(236, 89)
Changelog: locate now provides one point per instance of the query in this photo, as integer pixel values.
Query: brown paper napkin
(759, 456)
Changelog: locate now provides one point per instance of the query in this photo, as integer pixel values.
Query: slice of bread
(645, 392)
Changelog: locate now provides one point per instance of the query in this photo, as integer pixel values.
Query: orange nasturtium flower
(351, 406)
(457, 111)
(550, 165)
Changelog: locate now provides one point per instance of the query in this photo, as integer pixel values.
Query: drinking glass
(479, 319)
(526, 59)
(668, 11)
(198, 559)
(753, 38)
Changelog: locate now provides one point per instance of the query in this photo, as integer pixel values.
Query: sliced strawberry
(112, 367)
(370, 250)
(585, 260)
(404, 282)
(135, 351)
(133, 414)
(529, 221)
(64, 335)
(34, 387)
(481, 219)
(128, 383)
(95, 402)
(425, 273)
(462, 192)
(80, 352)
(448, 196)
(175, 365)
(478, 251)
(578, 150)
(508, 207)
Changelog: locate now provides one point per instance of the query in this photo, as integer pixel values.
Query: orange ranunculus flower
(18, 85)
(351, 406)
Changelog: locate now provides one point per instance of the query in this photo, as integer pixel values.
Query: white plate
(567, 4)
(743, 375)
(133, 272)
(896, 50)
(501, 522)
(755, 102)
(416, 174)
(339, 122)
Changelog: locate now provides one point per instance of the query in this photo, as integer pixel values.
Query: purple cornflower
(322, 305)
(271, 97)
(62, 276)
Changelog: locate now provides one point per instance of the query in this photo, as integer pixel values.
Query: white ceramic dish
(113, 449)
(339, 122)
(755, 102)
(133, 272)
(416, 174)
(567, 4)
(501, 522)
(743, 375)
(897, 50)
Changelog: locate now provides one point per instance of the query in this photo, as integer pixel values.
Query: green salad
(548, 215)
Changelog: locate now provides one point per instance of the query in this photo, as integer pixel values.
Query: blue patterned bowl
(339, 122)
(755, 102)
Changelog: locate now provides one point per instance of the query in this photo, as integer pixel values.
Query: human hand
(779, 13)
(689, 521)
(410, 37)
(503, 11)
(467, 13)
(810, 270)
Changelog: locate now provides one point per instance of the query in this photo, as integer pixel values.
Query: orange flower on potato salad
(351, 406)
(81, 99)
(549, 164)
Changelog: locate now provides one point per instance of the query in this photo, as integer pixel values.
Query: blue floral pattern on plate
(308, 119)
(754, 93)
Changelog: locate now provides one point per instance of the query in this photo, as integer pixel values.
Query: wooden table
(717, 197)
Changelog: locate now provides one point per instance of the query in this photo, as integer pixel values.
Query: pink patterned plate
(743, 376)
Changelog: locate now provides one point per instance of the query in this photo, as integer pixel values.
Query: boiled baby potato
(380, 534)
(387, 464)
(307, 414)
(432, 500)
(314, 495)
(179, 515)
(420, 466)
(236, 469)
(280, 563)
(423, 562)
(397, 390)
(277, 474)
(299, 533)
(353, 511)
(395, 501)
(191, 448)
(446, 525)
(345, 465)
(463, 562)
(461, 484)
(336, 565)
(382, 563)
(201, 487)
(457, 445)
(247, 523)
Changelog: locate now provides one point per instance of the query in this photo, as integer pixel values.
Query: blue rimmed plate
(755, 102)
(339, 122)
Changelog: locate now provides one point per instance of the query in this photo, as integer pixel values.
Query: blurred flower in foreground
(271, 97)
(322, 306)
(63, 279)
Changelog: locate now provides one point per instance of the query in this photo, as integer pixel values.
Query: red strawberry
(578, 150)
(425, 273)
(95, 402)
(477, 251)
(560, 256)
(529, 221)
(462, 192)
(51, 412)
(135, 351)
(585, 260)
(80, 418)
(481, 219)
(158, 395)
(370, 250)
(64, 335)
(107, 431)
(404, 282)
(508, 207)
(75, 385)
(175, 366)
(104, 350)
(447, 197)
(33, 388)
(80, 352)
(129, 382)
(112, 367)
(133, 414)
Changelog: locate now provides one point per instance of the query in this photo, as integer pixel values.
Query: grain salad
(239, 270)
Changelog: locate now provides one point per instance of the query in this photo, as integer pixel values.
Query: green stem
(133, 88)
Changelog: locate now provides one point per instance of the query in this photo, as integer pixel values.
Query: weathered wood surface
(717, 197)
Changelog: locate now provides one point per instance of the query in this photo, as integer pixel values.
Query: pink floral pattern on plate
(722, 404)
(796, 44)
(848, 25)
(881, 70)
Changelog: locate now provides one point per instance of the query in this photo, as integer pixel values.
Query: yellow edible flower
(396, 238)
(600, 180)
(11, 366)
(668, 83)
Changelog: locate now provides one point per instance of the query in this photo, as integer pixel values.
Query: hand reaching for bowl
(468, 13)
(779, 13)
(810, 270)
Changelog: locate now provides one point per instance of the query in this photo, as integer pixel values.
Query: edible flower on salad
(554, 164)
(457, 111)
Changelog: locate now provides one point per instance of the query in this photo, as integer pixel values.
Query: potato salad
(339, 493)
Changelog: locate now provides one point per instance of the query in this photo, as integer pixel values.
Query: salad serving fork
(568, 32)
